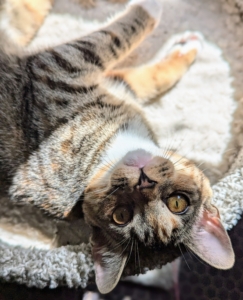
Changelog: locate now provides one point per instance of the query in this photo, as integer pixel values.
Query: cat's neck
(128, 141)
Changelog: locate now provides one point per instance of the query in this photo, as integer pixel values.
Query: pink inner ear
(108, 268)
(211, 242)
(99, 272)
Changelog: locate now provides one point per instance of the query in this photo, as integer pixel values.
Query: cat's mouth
(144, 181)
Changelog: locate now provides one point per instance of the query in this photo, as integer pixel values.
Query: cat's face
(151, 201)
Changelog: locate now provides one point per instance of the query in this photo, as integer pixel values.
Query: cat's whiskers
(135, 256)
(204, 170)
(138, 258)
(104, 169)
(109, 162)
(200, 164)
(178, 146)
(185, 168)
(186, 155)
(204, 150)
(184, 257)
(120, 244)
(182, 157)
(131, 240)
(112, 192)
(96, 192)
(177, 161)
(171, 146)
(191, 166)
(194, 255)
(167, 146)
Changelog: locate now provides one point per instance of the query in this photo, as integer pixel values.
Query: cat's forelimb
(155, 78)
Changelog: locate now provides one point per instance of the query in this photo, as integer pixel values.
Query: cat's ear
(109, 266)
(210, 241)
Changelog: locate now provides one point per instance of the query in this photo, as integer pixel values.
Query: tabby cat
(66, 141)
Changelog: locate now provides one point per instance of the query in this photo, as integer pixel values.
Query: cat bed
(201, 117)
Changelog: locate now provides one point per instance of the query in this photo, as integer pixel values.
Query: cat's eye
(177, 204)
(122, 215)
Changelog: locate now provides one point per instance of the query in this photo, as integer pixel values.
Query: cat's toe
(153, 7)
(186, 43)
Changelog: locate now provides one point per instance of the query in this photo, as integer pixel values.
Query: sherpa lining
(195, 117)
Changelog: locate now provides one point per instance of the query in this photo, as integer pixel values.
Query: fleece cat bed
(200, 118)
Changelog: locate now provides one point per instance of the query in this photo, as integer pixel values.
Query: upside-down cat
(65, 139)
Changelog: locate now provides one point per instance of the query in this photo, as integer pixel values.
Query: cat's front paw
(187, 44)
(153, 7)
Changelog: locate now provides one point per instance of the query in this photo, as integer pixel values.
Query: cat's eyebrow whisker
(184, 257)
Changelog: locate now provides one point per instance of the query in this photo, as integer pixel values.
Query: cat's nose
(144, 181)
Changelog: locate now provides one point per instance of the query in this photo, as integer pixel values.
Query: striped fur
(65, 140)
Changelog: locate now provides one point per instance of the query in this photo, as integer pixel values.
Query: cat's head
(151, 201)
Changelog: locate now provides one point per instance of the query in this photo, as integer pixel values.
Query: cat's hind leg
(123, 33)
(148, 81)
